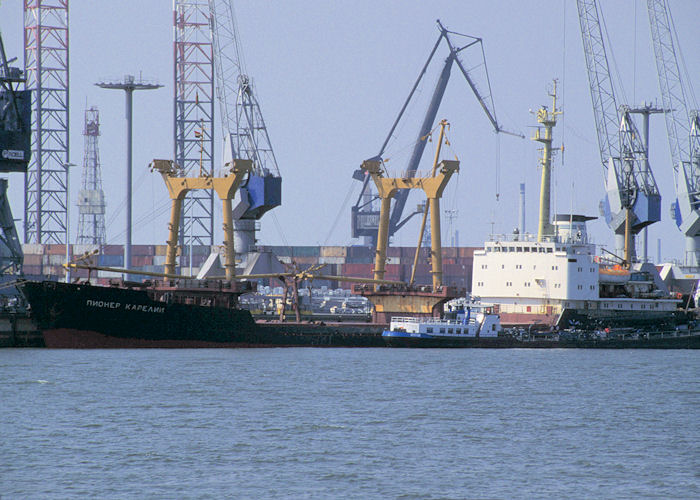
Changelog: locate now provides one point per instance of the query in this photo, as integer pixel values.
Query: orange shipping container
(333, 251)
(358, 270)
(449, 252)
(141, 260)
(467, 251)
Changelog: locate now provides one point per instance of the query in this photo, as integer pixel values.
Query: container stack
(46, 261)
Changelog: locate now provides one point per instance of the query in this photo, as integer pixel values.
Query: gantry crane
(15, 151)
(683, 127)
(632, 199)
(243, 128)
(365, 221)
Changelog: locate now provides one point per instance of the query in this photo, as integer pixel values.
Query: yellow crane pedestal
(416, 301)
(420, 300)
(178, 187)
(433, 188)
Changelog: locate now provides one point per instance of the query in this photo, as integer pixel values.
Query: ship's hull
(655, 341)
(669, 340)
(596, 318)
(641, 319)
(402, 339)
(514, 319)
(71, 338)
(84, 316)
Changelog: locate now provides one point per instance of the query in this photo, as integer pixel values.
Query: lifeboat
(613, 274)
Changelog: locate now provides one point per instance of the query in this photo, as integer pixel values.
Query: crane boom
(601, 86)
(361, 215)
(419, 145)
(672, 92)
(227, 61)
(242, 120)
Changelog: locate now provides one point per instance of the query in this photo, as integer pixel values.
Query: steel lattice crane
(632, 199)
(683, 127)
(243, 128)
(365, 221)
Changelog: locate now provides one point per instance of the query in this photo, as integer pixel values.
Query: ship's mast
(548, 120)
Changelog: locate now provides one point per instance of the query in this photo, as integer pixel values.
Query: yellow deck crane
(407, 299)
(433, 186)
(179, 186)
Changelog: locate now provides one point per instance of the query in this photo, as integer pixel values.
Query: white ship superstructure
(523, 276)
(536, 282)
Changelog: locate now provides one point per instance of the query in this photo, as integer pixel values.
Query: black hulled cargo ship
(183, 313)
(205, 313)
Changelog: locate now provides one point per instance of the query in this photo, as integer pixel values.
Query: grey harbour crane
(683, 129)
(243, 128)
(632, 201)
(364, 220)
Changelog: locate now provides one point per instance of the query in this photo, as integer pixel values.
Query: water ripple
(349, 423)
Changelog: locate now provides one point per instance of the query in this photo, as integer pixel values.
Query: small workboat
(471, 326)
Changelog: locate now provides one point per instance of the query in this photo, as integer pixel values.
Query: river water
(349, 423)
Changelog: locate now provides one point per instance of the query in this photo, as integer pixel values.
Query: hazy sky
(331, 78)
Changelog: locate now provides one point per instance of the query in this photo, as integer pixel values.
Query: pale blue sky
(331, 77)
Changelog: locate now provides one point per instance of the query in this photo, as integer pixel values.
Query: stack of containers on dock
(159, 257)
(33, 260)
(43, 261)
(110, 256)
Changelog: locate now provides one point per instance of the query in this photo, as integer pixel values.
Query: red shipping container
(393, 252)
(467, 251)
(449, 252)
(141, 260)
(32, 269)
(358, 270)
(55, 249)
(32, 260)
(112, 250)
(143, 250)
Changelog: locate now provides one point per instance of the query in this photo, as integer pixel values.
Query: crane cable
(688, 81)
(428, 137)
(341, 210)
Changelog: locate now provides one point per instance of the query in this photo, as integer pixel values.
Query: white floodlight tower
(128, 85)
